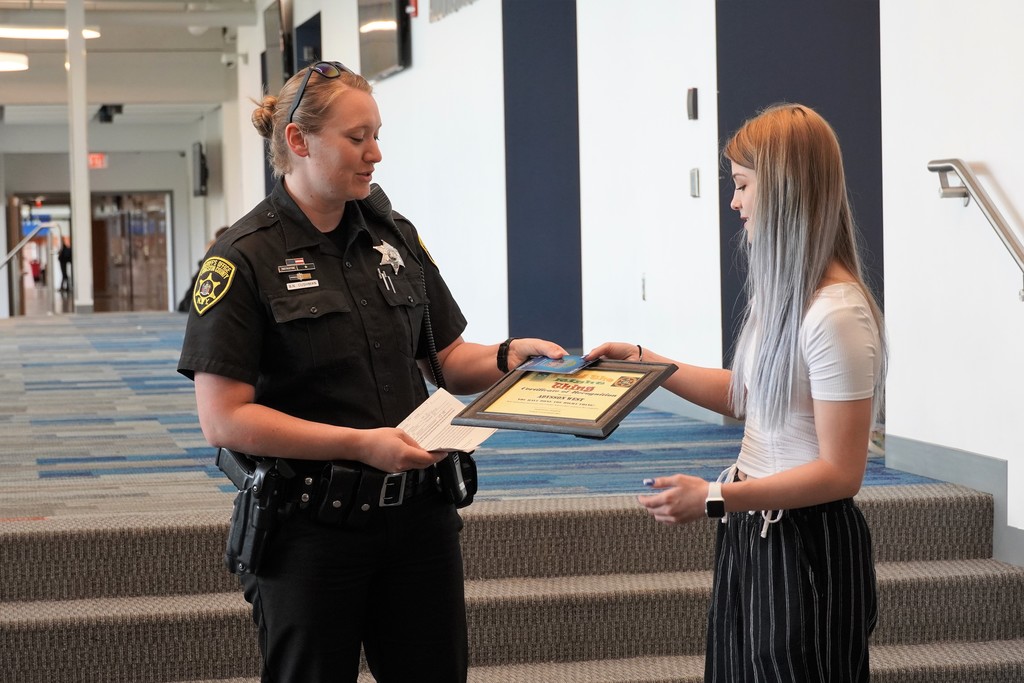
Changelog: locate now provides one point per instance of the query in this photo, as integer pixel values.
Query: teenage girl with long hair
(794, 594)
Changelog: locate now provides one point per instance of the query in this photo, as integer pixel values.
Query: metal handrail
(972, 188)
(49, 261)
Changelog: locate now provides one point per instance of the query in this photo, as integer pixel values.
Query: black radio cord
(428, 329)
(449, 470)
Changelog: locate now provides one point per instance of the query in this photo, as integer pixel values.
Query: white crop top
(841, 356)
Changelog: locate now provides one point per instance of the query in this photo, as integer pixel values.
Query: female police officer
(308, 343)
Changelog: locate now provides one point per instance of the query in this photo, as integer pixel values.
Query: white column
(78, 156)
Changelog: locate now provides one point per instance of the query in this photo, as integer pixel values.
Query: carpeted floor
(95, 420)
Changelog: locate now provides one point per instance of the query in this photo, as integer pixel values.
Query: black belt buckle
(392, 493)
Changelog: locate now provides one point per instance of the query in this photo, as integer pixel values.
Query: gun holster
(457, 478)
(254, 518)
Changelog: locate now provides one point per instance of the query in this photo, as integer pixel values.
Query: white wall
(650, 250)
(950, 89)
(245, 165)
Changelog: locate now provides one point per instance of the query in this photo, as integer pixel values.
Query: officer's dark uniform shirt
(320, 327)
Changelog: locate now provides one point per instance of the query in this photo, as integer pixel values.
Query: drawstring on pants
(770, 516)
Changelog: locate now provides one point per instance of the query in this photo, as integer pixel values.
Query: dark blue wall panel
(543, 170)
(821, 54)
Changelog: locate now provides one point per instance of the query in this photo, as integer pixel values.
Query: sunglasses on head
(325, 69)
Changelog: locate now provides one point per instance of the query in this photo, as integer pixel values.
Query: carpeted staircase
(577, 590)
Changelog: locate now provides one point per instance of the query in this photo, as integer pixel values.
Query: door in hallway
(34, 278)
(129, 236)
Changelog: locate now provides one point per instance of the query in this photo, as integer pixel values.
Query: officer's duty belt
(394, 489)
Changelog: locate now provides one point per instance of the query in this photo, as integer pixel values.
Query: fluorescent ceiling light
(12, 61)
(43, 32)
(390, 25)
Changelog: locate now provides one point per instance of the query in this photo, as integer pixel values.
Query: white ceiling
(163, 61)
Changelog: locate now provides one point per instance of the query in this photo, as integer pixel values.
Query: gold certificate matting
(585, 395)
(590, 402)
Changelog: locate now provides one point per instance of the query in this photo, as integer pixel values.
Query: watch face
(715, 508)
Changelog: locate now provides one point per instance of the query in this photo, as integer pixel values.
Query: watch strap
(714, 505)
(503, 353)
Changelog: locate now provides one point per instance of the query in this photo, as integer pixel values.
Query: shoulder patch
(424, 248)
(213, 283)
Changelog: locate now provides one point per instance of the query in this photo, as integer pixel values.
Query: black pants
(797, 605)
(394, 586)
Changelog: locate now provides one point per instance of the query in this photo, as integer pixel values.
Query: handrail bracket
(970, 187)
(947, 191)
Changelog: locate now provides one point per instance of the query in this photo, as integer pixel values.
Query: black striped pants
(797, 605)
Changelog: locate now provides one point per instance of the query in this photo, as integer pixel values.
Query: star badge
(389, 256)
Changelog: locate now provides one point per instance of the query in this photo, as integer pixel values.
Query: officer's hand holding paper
(431, 425)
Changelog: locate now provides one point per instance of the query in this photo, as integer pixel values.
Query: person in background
(64, 259)
(186, 300)
(794, 593)
(36, 267)
(315, 319)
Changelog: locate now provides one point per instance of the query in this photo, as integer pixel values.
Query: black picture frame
(480, 412)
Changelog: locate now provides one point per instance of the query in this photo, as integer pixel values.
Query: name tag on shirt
(304, 285)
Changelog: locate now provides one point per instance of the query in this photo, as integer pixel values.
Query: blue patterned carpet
(96, 420)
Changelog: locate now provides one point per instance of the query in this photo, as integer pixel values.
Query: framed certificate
(589, 402)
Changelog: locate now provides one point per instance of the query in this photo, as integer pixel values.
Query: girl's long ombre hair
(801, 222)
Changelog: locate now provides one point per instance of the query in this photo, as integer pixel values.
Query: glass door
(129, 233)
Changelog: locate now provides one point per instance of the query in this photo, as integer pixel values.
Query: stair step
(637, 670)
(70, 558)
(516, 621)
(512, 622)
(181, 553)
(977, 662)
(138, 639)
(999, 661)
(567, 536)
(921, 602)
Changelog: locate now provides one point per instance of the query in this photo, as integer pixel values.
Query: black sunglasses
(325, 69)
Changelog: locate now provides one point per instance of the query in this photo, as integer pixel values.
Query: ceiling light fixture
(43, 32)
(383, 25)
(12, 61)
